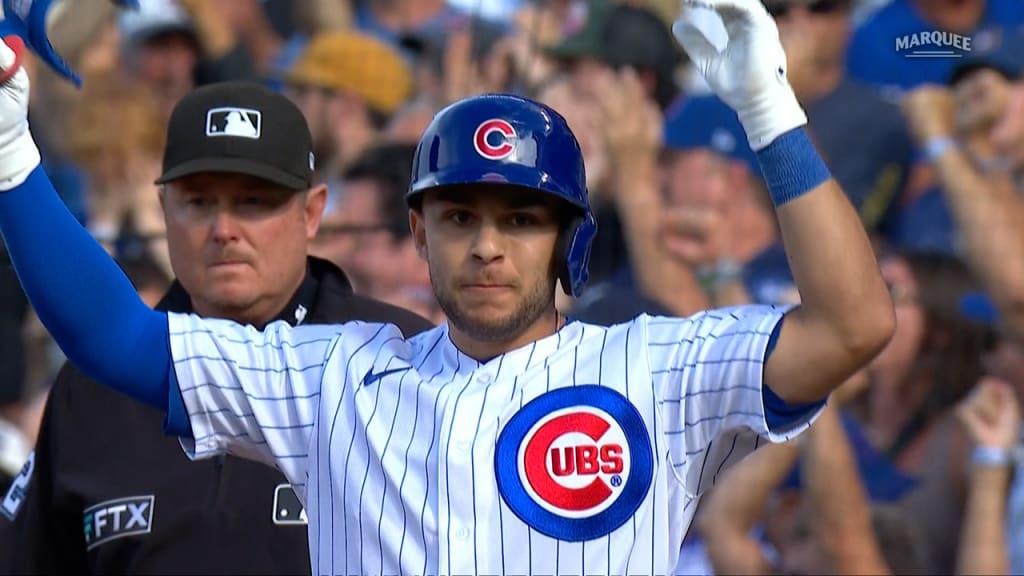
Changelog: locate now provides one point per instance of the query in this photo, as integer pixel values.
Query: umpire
(107, 491)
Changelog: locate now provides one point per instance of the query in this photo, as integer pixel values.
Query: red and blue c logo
(494, 139)
(575, 463)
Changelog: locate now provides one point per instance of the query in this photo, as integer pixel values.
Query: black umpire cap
(239, 128)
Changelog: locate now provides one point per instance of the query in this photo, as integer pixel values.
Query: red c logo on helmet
(494, 139)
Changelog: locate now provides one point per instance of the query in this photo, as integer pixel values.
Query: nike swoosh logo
(372, 377)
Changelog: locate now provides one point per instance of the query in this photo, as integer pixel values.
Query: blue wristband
(989, 456)
(791, 166)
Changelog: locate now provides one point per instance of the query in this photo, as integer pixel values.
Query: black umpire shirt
(108, 492)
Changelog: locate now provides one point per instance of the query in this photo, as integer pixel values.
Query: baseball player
(509, 440)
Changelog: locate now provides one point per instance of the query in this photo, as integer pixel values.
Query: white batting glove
(735, 45)
(18, 152)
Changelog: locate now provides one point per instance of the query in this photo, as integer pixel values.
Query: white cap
(153, 17)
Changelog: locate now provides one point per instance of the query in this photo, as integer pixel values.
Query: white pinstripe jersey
(582, 453)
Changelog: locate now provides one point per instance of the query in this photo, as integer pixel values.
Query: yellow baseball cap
(357, 63)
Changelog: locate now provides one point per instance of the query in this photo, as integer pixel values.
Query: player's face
(490, 254)
(238, 244)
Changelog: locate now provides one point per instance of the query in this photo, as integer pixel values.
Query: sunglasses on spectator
(780, 9)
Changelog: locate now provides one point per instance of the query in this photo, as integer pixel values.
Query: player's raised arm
(79, 293)
(846, 316)
(220, 382)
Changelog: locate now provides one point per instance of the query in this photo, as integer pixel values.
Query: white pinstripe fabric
(398, 476)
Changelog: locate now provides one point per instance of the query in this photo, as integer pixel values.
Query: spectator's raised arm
(991, 415)
(985, 205)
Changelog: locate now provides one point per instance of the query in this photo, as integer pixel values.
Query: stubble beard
(495, 329)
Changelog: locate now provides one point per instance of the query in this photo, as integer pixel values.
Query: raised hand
(930, 112)
(18, 152)
(632, 122)
(735, 44)
(991, 414)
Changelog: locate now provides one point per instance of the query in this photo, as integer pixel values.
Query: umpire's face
(238, 243)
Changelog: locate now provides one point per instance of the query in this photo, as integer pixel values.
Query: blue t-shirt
(868, 147)
(885, 53)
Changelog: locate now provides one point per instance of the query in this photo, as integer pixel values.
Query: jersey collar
(512, 362)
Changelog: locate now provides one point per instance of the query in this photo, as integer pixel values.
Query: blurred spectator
(830, 527)
(391, 19)
(175, 45)
(911, 43)
(586, 120)
(627, 130)
(934, 358)
(348, 85)
(120, 165)
(616, 36)
(160, 46)
(622, 43)
(887, 54)
(14, 445)
(766, 279)
(365, 231)
(718, 215)
(1005, 362)
(150, 279)
(973, 135)
(863, 138)
(13, 311)
(491, 9)
(21, 400)
(410, 121)
(607, 42)
(590, 123)
(461, 58)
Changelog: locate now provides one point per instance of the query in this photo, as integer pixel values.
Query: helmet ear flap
(575, 245)
(561, 264)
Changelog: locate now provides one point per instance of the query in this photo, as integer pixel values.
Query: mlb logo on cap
(220, 128)
(232, 121)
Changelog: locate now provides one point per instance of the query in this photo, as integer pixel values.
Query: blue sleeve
(778, 414)
(82, 297)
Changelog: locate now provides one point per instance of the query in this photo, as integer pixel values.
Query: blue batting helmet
(505, 140)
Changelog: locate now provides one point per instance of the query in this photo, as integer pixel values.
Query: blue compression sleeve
(82, 297)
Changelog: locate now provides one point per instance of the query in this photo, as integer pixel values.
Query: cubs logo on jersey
(494, 139)
(575, 463)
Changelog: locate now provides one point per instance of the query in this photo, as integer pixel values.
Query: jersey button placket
(465, 415)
